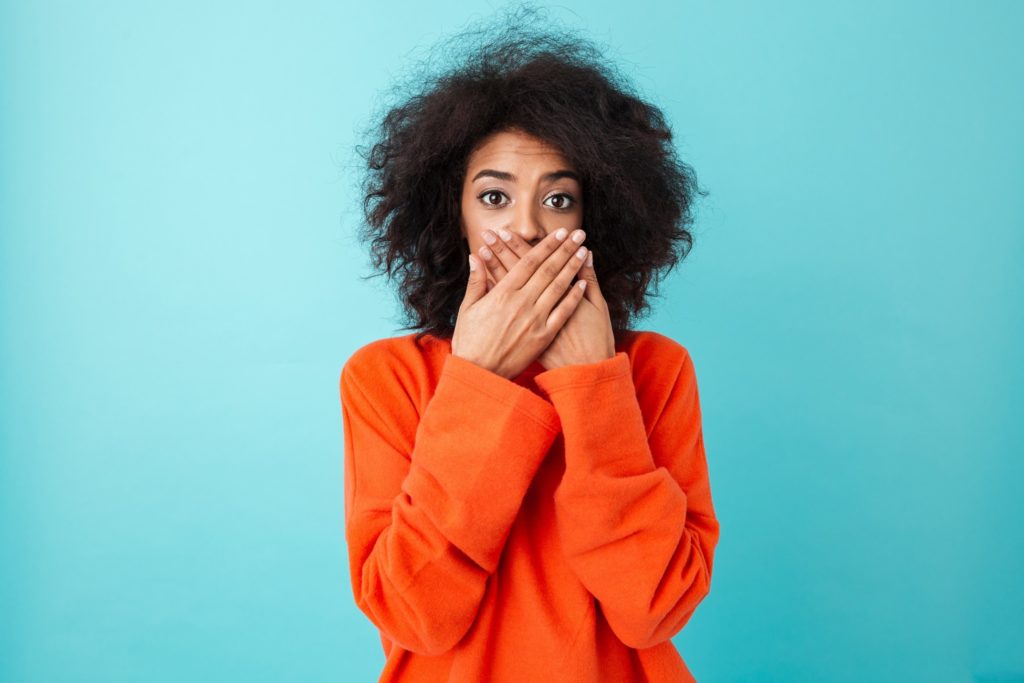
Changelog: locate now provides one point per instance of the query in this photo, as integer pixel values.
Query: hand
(587, 336)
(504, 329)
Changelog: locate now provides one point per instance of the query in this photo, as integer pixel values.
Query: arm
(429, 501)
(634, 512)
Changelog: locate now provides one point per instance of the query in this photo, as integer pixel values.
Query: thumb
(477, 285)
(593, 290)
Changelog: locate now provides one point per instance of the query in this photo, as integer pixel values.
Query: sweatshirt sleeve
(430, 500)
(633, 509)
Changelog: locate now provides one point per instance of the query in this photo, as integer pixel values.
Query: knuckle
(551, 270)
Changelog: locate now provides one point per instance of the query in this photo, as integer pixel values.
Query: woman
(526, 490)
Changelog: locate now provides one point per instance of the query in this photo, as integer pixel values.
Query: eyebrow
(547, 178)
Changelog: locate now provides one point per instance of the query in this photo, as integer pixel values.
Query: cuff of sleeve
(602, 422)
(506, 391)
(583, 374)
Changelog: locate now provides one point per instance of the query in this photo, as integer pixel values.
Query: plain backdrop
(181, 285)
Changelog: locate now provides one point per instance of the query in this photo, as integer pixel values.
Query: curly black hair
(556, 86)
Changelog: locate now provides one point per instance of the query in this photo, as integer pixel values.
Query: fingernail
(489, 237)
(560, 234)
(505, 235)
(578, 236)
(472, 263)
(485, 252)
(581, 252)
(590, 260)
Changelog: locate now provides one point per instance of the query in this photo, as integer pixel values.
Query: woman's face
(519, 183)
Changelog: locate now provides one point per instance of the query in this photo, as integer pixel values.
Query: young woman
(526, 489)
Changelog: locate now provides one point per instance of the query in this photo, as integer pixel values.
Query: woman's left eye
(565, 198)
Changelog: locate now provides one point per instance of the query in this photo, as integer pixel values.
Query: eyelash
(498, 206)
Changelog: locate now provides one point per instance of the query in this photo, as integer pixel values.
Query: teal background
(180, 287)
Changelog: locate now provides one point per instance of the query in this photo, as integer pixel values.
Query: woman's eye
(491, 193)
(562, 201)
(565, 200)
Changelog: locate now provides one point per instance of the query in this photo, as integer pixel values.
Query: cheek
(473, 241)
(473, 225)
(469, 223)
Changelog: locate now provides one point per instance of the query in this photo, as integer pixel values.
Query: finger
(588, 274)
(514, 242)
(545, 275)
(475, 287)
(528, 266)
(504, 256)
(548, 299)
(565, 308)
(492, 265)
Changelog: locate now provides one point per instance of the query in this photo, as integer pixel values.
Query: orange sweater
(555, 527)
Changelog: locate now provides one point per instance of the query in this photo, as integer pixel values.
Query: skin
(506, 219)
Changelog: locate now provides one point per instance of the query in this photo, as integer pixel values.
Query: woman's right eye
(491, 193)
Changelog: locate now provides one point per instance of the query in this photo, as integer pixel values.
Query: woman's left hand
(587, 336)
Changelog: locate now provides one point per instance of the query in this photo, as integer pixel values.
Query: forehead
(514, 148)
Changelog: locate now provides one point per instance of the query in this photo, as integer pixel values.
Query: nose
(527, 225)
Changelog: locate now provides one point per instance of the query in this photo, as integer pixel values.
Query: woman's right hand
(507, 329)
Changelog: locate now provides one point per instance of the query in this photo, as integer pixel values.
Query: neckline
(534, 368)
